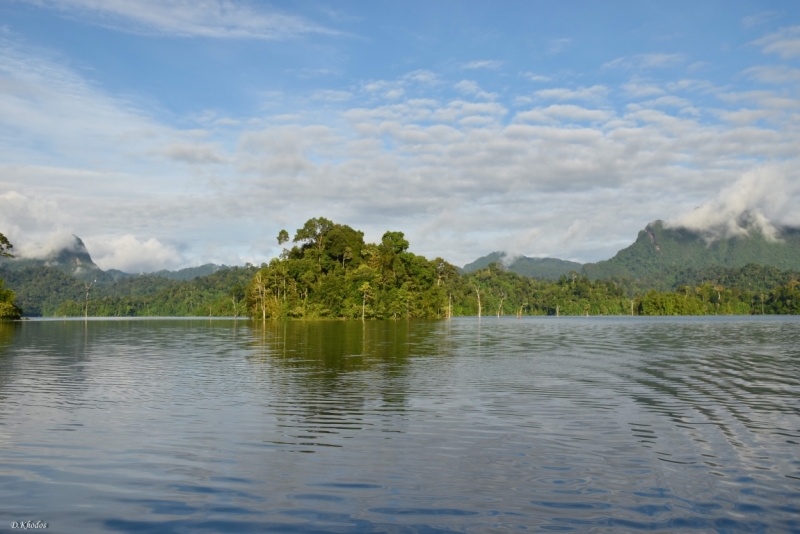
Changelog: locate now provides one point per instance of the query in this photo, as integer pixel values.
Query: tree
(366, 292)
(8, 310)
(283, 237)
(5, 246)
(312, 235)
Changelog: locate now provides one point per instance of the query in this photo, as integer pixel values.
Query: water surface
(569, 424)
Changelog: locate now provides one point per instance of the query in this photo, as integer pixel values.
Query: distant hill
(190, 273)
(545, 268)
(659, 251)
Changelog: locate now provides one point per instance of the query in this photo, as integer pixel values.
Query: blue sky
(171, 133)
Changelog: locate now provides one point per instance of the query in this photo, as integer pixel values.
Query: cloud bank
(567, 167)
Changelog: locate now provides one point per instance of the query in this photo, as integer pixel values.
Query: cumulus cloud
(129, 254)
(206, 18)
(759, 200)
(422, 76)
(574, 175)
(569, 113)
(639, 89)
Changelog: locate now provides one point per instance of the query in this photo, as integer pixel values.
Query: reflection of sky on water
(565, 422)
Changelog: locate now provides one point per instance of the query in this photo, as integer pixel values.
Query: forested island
(330, 272)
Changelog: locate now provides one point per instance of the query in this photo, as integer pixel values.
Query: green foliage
(659, 250)
(8, 309)
(218, 294)
(333, 273)
(506, 293)
(5, 246)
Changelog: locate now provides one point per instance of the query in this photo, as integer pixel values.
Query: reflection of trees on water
(336, 377)
(7, 331)
(40, 362)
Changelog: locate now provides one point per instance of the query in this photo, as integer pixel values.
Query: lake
(567, 424)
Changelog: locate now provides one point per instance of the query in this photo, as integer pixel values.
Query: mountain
(43, 284)
(660, 251)
(546, 268)
(73, 260)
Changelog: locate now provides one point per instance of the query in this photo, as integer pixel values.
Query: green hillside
(661, 253)
(544, 268)
(190, 273)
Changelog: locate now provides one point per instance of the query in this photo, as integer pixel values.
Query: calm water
(582, 424)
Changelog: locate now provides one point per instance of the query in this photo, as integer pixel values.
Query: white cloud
(785, 42)
(759, 18)
(646, 61)
(457, 174)
(422, 76)
(567, 113)
(773, 74)
(469, 87)
(205, 18)
(129, 254)
(638, 89)
(492, 64)
(332, 95)
(536, 77)
(594, 92)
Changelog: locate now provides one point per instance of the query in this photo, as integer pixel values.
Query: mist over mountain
(72, 258)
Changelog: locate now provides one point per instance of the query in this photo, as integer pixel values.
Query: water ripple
(578, 424)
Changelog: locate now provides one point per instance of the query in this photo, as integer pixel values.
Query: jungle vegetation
(8, 308)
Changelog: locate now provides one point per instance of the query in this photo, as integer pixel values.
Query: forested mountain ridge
(660, 249)
(545, 268)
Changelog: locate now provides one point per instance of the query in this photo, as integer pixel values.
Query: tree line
(328, 271)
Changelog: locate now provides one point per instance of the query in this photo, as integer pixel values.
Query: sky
(171, 133)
